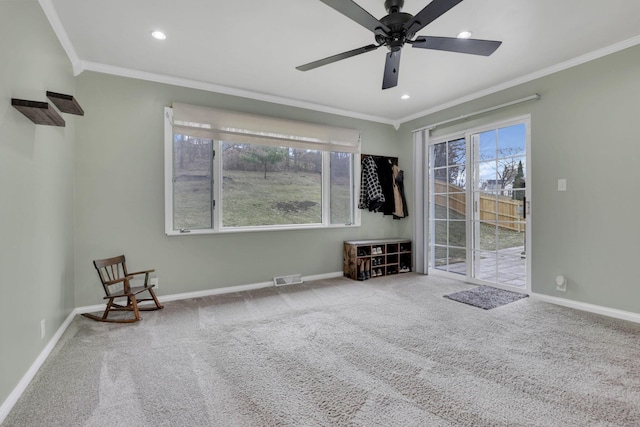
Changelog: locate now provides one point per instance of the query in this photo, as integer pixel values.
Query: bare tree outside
(505, 168)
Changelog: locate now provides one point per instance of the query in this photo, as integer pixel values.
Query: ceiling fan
(398, 28)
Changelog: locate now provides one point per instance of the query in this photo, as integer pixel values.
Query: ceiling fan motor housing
(393, 6)
(398, 35)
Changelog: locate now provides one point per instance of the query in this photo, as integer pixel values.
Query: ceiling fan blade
(353, 11)
(430, 13)
(391, 70)
(451, 44)
(338, 57)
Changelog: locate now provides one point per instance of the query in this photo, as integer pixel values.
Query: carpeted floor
(385, 352)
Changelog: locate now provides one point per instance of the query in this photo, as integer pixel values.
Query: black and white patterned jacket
(371, 196)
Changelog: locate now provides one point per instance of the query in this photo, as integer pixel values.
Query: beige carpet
(385, 352)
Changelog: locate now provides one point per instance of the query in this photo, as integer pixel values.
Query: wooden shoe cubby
(369, 259)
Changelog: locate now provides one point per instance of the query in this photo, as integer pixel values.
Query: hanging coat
(385, 175)
(371, 196)
(398, 211)
(399, 183)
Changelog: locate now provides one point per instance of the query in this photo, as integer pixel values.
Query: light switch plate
(562, 185)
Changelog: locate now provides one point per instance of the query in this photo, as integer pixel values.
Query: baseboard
(240, 288)
(592, 308)
(8, 404)
(216, 291)
(323, 276)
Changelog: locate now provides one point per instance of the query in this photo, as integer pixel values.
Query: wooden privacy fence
(503, 209)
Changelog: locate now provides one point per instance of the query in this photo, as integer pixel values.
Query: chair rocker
(116, 283)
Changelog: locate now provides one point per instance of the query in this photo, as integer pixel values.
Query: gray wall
(36, 192)
(120, 196)
(584, 130)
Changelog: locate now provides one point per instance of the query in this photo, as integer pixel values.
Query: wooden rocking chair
(113, 272)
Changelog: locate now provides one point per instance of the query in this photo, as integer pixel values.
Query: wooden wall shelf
(65, 103)
(40, 113)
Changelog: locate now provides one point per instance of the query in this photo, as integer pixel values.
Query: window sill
(258, 229)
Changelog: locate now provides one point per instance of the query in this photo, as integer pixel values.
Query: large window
(221, 176)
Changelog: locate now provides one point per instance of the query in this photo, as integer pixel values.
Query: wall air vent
(294, 279)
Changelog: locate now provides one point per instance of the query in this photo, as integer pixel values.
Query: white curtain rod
(476, 113)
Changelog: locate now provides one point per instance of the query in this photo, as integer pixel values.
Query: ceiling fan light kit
(398, 28)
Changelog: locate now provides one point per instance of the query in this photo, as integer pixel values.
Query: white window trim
(217, 211)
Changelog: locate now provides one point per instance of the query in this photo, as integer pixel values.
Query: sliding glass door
(448, 207)
(478, 205)
(499, 193)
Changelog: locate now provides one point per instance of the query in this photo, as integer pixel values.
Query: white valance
(231, 126)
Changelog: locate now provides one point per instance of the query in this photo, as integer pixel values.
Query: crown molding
(529, 77)
(63, 38)
(210, 87)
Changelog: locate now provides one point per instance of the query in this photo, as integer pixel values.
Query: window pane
(266, 185)
(458, 260)
(440, 230)
(458, 177)
(441, 175)
(457, 233)
(440, 210)
(457, 152)
(487, 145)
(512, 140)
(440, 258)
(341, 202)
(192, 187)
(489, 207)
(488, 177)
(439, 157)
(457, 205)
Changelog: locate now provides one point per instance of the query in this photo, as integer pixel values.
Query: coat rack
(393, 160)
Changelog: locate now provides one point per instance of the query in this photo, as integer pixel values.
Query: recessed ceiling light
(158, 35)
(464, 35)
(405, 96)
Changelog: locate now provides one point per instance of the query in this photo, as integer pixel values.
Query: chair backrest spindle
(110, 269)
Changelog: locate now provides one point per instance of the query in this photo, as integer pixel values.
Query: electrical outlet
(561, 283)
(154, 282)
(42, 329)
(562, 184)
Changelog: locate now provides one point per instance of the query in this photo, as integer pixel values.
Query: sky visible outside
(499, 147)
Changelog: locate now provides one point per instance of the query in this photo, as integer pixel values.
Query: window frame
(217, 173)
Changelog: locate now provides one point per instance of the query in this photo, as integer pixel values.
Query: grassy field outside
(492, 237)
(192, 203)
(250, 200)
(282, 198)
(340, 200)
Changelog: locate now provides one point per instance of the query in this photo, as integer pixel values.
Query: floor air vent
(294, 279)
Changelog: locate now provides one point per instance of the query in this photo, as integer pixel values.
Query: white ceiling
(251, 48)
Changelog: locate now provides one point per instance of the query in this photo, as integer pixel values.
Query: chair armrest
(122, 279)
(146, 276)
(142, 272)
